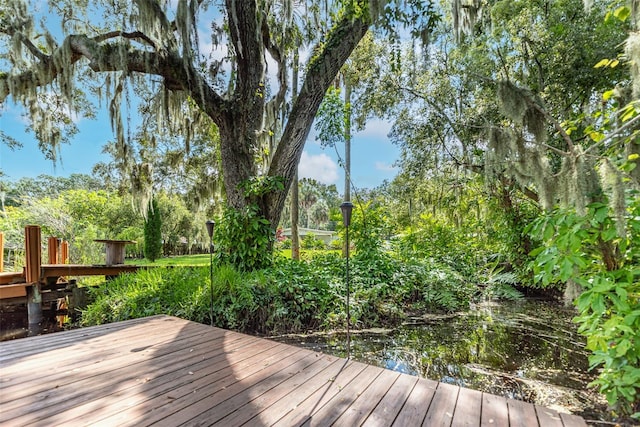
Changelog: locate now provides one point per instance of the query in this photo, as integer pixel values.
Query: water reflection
(15, 324)
(527, 350)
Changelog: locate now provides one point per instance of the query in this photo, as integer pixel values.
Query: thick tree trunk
(238, 165)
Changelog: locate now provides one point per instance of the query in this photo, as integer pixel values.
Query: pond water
(528, 350)
(15, 324)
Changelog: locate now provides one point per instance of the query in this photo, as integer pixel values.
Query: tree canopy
(187, 67)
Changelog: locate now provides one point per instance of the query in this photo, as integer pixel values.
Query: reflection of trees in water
(524, 350)
(527, 344)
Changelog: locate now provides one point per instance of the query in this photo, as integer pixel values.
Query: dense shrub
(599, 252)
(152, 233)
(309, 241)
(291, 296)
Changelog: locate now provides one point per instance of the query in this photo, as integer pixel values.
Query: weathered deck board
(468, 408)
(391, 404)
(163, 370)
(494, 411)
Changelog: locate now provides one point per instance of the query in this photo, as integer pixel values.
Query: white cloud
(319, 167)
(385, 167)
(376, 128)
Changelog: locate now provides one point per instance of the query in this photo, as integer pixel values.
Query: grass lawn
(203, 259)
(182, 260)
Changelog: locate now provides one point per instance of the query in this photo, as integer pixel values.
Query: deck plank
(548, 417)
(167, 372)
(392, 403)
(495, 412)
(521, 414)
(160, 402)
(251, 406)
(270, 414)
(330, 412)
(468, 408)
(94, 382)
(255, 388)
(86, 362)
(163, 370)
(417, 404)
(366, 402)
(203, 404)
(442, 406)
(326, 387)
(21, 348)
(569, 420)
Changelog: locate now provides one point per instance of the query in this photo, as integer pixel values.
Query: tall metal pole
(211, 277)
(210, 225)
(346, 208)
(348, 292)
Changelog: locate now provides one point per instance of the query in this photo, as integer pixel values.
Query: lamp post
(210, 226)
(346, 208)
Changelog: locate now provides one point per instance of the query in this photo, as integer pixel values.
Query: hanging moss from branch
(465, 14)
(632, 51)
(519, 105)
(523, 154)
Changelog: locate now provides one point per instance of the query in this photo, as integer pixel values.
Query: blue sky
(372, 153)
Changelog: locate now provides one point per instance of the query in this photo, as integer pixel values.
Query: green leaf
(622, 13)
(601, 213)
(609, 234)
(622, 348)
(607, 95)
(629, 114)
(566, 269)
(596, 136)
(598, 304)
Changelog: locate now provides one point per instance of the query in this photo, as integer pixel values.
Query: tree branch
(136, 35)
(325, 63)
(109, 58)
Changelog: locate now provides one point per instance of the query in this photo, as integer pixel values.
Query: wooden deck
(167, 371)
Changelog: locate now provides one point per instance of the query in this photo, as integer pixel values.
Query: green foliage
(579, 248)
(309, 241)
(233, 293)
(244, 238)
(291, 296)
(152, 232)
(440, 240)
(501, 286)
(330, 121)
(181, 260)
(300, 296)
(182, 292)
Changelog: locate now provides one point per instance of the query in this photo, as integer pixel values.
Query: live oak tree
(153, 55)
